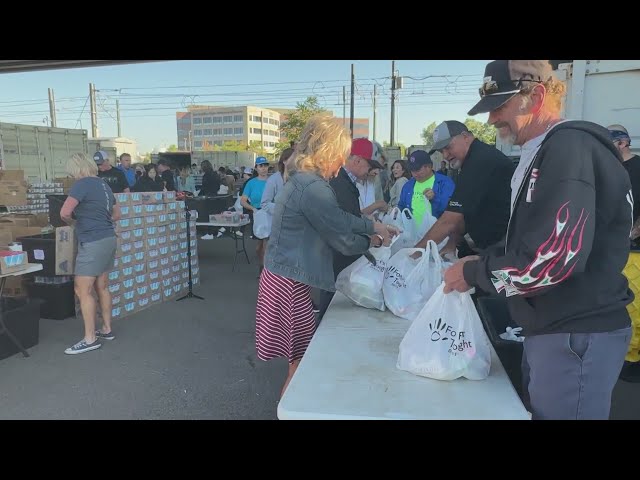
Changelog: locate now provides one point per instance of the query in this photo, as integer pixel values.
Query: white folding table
(349, 372)
(232, 229)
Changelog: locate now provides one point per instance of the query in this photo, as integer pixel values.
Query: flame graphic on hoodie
(553, 262)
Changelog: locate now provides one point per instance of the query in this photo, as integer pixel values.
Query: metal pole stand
(190, 294)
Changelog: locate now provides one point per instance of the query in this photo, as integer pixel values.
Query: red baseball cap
(365, 148)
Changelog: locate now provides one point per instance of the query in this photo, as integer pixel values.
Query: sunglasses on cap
(491, 87)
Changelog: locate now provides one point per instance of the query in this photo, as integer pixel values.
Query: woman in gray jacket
(307, 223)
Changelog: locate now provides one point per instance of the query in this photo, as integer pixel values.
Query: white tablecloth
(349, 372)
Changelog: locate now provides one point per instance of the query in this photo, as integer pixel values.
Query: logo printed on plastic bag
(440, 331)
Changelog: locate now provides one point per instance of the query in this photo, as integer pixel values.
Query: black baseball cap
(503, 79)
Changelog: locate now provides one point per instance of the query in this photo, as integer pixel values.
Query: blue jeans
(570, 376)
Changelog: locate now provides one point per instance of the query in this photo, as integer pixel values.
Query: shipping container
(42, 152)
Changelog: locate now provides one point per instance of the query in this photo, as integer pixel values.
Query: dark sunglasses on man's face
(490, 87)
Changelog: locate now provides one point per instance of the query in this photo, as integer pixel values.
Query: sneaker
(105, 336)
(238, 233)
(82, 347)
(207, 237)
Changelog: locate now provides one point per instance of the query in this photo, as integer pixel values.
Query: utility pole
(374, 112)
(52, 108)
(353, 97)
(118, 116)
(393, 103)
(94, 114)
(344, 105)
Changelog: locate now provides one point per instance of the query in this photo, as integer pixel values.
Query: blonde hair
(323, 147)
(541, 72)
(79, 166)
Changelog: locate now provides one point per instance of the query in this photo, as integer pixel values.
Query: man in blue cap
(425, 184)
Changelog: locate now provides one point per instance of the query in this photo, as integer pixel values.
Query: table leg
(243, 246)
(3, 326)
(234, 234)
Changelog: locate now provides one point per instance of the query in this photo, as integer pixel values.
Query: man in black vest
(364, 157)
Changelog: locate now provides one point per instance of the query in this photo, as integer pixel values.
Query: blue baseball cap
(261, 161)
(418, 159)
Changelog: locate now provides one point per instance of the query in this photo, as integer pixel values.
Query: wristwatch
(381, 240)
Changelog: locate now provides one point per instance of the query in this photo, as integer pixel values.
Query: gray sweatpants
(570, 376)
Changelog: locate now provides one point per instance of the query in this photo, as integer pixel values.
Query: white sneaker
(222, 230)
(238, 233)
(207, 237)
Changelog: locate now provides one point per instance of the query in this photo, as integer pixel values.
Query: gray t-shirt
(93, 213)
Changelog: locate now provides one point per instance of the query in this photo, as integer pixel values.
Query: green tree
(292, 127)
(172, 148)
(256, 147)
(483, 131)
(427, 134)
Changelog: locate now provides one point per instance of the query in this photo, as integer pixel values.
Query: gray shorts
(95, 258)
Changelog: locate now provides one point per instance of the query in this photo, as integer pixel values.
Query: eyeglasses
(490, 87)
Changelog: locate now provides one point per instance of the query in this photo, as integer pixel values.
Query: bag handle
(433, 253)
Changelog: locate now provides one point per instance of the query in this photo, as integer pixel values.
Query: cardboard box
(155, 286)
(11, 175)
(156, 297)
(115, 289)
(169, 197)
(56, 251)
(129, 296)
(114, 276)
(15, 286)
(154, 275)
(165, 262)
(67, 183)
(128, 284)
(116, 300)
(13, 194)
(150, 198)
(126, 272)
(123, 199)
(12, 261)
(153, 264)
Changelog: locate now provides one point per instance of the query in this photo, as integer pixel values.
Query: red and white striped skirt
(285, 322)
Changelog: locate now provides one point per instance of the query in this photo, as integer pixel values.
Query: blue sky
(151, 93)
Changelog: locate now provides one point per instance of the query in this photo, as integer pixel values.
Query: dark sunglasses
(490, 87)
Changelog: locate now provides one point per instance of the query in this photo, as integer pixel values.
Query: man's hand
(429, 194)
(387, 232)
(454, 278)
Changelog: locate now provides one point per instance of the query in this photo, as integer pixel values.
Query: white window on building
(227, 119)
(197, 144)
(207, 132)
(197, 133)
(238, 131)
(217, 119)
(217, 131)
(197, 120)
(228, 132)
(206, 120)
(238, 118)
(257, 131)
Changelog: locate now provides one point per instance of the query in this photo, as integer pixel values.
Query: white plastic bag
(223, 190)
(407, 238)
(362, 281)
(409, 283)
(262, 224)
(446, 340)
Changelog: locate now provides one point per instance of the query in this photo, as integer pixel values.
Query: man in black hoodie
(566, 245)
